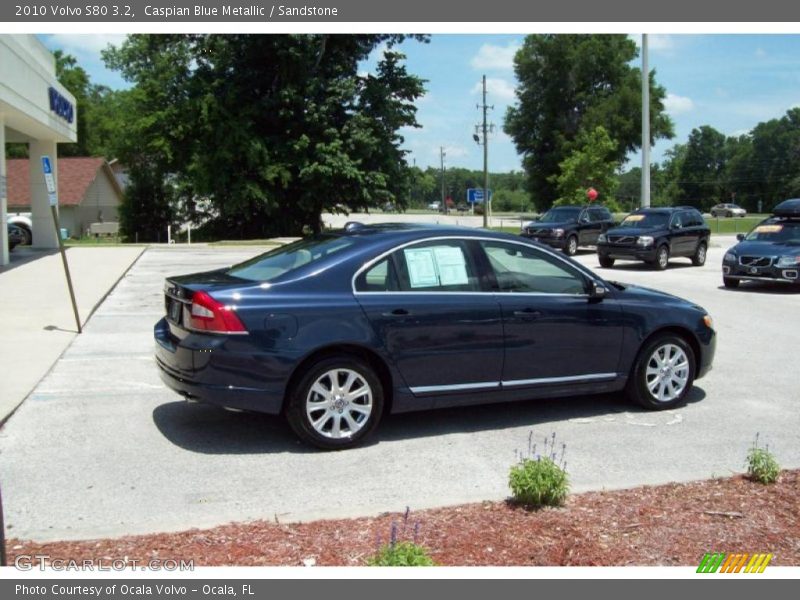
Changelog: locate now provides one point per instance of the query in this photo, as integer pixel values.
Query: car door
(585, 228)
(554, 332)
(425, 305)
(677, 235)
(595, 227)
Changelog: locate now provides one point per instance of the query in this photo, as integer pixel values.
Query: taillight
(211, 315)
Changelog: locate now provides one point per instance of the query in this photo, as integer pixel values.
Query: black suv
(655, 235)
(770, 252)
(569, 227)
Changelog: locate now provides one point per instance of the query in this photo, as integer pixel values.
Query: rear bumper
(627, 252)
(200, 368)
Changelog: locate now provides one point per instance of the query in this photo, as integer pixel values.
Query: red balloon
(591, 193)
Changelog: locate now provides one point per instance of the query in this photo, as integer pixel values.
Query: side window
(697, 219)
(522, 269)
(436, 266)
(677, 221)
(599, 214)
(380, 277)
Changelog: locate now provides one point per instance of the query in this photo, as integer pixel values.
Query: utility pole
(484, 139)
(442, 154)
(645, 126)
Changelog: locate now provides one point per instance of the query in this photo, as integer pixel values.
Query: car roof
(788, 208)
(664, 209)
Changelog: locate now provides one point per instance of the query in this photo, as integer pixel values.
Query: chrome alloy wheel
(339, 403)
(667, 372)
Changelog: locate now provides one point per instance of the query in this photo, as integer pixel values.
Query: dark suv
(770, 252)
(654, 235)
(569, 227)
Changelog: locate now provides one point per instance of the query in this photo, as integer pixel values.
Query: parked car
(770, 252)
(655, 235)
(16, 236)
(333, 331)
(389, 207)
(437, 206)
(25, 222)
(727, 210)
(569, 227)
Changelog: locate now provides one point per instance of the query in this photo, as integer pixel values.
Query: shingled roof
(75, 175)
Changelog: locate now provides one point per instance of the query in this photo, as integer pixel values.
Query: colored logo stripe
(733, 563)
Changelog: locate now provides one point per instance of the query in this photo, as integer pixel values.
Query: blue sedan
(334, 331)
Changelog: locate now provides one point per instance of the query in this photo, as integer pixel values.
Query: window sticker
(769, 228)
(451, 264)
(421, 267)
(633, 218)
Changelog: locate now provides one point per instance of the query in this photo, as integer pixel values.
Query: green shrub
(540, 480)
(401, 554)
(761, 464)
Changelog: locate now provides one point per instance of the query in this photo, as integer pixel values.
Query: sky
(728, 81)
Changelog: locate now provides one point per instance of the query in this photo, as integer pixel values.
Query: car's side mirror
(597, 290)
(740, 237)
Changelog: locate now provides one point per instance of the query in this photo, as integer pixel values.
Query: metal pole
(645, 125)
(486, 203)
(54, 212)
(441, 158)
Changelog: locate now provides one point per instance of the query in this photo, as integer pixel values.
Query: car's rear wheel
(605, 261)
(662, 258)
(336, 404)
(699, 258)
(572, 246)
(730, 282)
(663, 373)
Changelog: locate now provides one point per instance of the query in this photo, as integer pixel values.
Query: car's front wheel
(605, 261)
(730, 282)
(336, 404)
(663, 373)
(662, 258)
(572, 246)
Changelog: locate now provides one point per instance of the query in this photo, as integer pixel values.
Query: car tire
(662, 258)
(605, 261)
(28, 235)
(663, 373)
(571, 247)
(336, 404)
(699, 258)
(730, 282)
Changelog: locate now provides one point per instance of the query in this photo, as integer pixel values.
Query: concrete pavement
(38, 320)
(101, 448)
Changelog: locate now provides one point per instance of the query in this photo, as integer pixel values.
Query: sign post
(52, 196)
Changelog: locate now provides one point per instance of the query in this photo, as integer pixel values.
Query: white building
(37, 110)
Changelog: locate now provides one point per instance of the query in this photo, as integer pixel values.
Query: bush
(540, 480)
(761, 464)
(401, 554)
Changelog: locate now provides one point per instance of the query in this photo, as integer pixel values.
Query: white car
(25, 223)
(727, 210)
(435, 205)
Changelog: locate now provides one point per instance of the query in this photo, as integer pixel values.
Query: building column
(44, 232)
(3, 195)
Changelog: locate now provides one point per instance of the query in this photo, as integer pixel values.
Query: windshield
(787, 232)
(273, 264)
(645, 221)
(560, 215)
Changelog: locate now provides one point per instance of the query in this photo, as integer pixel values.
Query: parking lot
(102, 448)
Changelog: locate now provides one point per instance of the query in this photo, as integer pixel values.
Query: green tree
(702, 170)
(569, 83)
(592, 163)
(272, 129)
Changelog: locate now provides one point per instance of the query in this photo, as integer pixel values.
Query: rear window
(283, 260)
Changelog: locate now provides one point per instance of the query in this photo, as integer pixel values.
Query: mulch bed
(671, 524)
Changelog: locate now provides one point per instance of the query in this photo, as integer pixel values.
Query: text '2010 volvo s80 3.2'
(335, 330)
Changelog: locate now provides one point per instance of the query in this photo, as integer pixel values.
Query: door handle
(528, 313)
(397, 312)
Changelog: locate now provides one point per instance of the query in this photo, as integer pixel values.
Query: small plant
(399, 552)
(540, 479)
(761, 464)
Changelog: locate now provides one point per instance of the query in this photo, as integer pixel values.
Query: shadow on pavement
(211, 430)
(24, 254)
(766, 287)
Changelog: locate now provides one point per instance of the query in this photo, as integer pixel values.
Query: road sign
(49, 181)
(475, 195)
